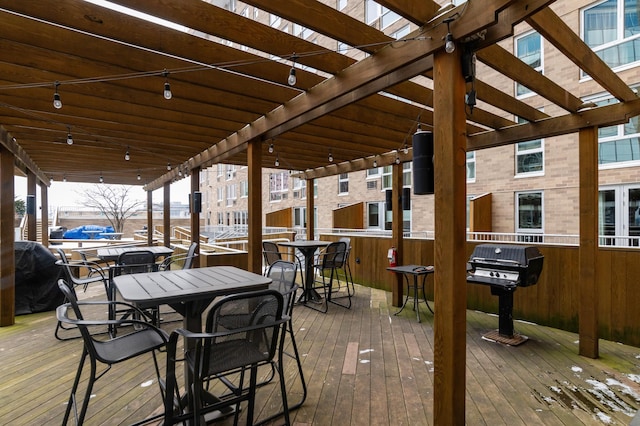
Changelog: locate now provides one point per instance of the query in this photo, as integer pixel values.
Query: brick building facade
(533, 185)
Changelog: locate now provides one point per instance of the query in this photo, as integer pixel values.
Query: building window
(300, 217)
(386, 177)
(618, 145)
(401, 33)
(341, 4)
(529, 50)
(231, 195)
(529, 212)
(220, 193)
(299, 188)
(220, 170)
(407, 169)
(343, 183)
(244, 189)
(373, 173)
(530, 157)
(278, 186)
(471, 166)
(376, 14)
(230, 172)
(611, 28)
(374, 218)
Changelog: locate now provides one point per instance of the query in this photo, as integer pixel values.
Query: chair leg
(72, 396)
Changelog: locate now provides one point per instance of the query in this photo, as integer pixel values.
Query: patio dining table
(110, 254)
(308, 249)
(188, 291)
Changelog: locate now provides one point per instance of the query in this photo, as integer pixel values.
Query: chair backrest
(283, 277)
(334, 255)
(188, 261)
(249, 337)
(64, 262)
(270, 252)
(62, 314)
(134, 262)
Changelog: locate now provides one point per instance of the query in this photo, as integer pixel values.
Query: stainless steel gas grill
(504, 268)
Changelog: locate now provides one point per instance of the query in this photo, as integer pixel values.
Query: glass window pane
(600, 24)
(631, 23)
(530, 210)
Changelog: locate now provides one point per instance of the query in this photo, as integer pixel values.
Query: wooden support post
(166, 214)
(450, 240)
(397, 230)
(588, 252)
(44, 212)
(195, 216)
(149, 218)
(254, 161)
(7, 255)
(32, 231)
(311, 219)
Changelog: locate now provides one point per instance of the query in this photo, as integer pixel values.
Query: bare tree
(114, 201)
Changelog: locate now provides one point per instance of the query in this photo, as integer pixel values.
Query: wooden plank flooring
(363, 366)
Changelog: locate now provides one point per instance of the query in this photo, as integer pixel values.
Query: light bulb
(139, 176)
(64, 178)
(449, 45)
(101, 179)
(270, 148)
(397, 160)
(405, 149)
(57, 103)
(292, 80)
(375, 164)
(277, 163)
(69, 138)
(330, 158)
(127, 157)
(168, 166)
(167, 90)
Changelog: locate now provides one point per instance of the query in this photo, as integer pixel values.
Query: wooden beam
(504, 62)
(450, 241)
(557, 32)
(588, 253)
(7, 232)
(607, 115)
(21, 156)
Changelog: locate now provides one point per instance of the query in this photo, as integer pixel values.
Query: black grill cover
(36, 278)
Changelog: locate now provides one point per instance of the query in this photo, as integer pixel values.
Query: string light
(449, 45)
(69, 136)
(168, 166)
(375, 164)
(270, 148)
(330, 157)
(277, 163)
(64, 178)
(405, 148)
(397, 159)
(167, 87)
(127, 157)
(101, 179)
(57, 102)
(292, 80)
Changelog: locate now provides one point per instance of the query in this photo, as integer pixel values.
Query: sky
(68, 194)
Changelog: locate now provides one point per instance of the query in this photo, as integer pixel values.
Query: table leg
(406, 297)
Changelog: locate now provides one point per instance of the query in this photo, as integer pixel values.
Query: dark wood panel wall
(349, 217)
(554, 301)
(280, 218)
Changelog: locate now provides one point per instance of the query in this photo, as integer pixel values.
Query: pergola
(229, 105)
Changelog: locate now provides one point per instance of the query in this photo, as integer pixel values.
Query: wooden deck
(363, 366)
